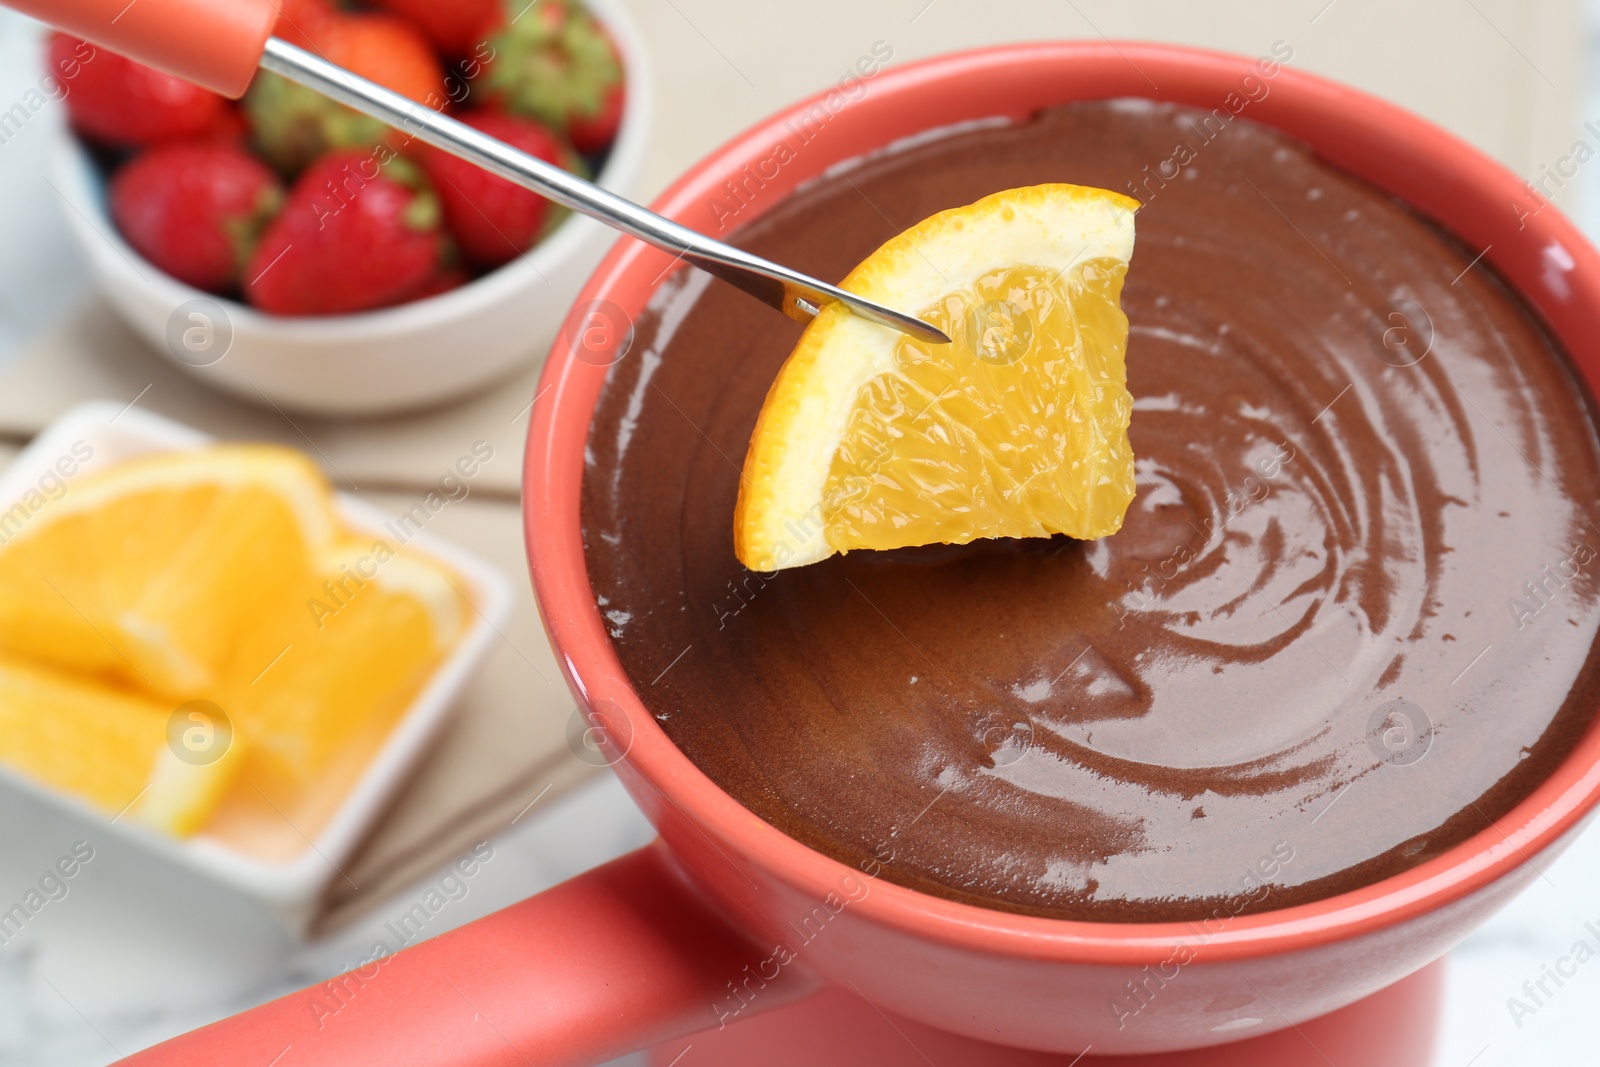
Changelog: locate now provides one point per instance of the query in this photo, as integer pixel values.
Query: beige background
(1508, 75)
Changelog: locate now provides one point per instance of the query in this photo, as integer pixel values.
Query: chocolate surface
(1350, 618)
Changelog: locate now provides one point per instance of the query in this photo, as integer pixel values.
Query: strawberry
(455, 28)
(591, 134)
(557, 64)
(195, 209)
(493, 220)
(230, 129)
(353, 235)
(389, 51)
(293, 125)
(302, 22)
(118, 102)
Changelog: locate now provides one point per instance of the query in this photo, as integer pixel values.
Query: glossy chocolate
(1349, 621)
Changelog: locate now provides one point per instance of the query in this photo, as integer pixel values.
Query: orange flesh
(1032, 395)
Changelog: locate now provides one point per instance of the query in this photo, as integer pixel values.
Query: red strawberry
(455, 28)
(293, 124)
(195, 210)
(557, 64)
(389, 51)
(493, 220)
(116, 101)
(353, 236)
(302, 22)
(230, 128)
(590, 134)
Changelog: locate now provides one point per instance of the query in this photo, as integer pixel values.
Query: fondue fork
(219, 43)
(797, 295)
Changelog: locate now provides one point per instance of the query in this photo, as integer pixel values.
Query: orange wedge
(121, 753)
(871, 439)
(150, 572)
(327, 678)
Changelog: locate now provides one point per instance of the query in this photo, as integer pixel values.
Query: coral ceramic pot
(686, 934)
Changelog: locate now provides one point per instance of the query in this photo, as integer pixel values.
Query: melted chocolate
(1349, 621)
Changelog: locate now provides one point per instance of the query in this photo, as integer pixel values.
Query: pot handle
(214, 43)
(620, 958)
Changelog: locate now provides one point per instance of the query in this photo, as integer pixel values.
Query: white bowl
(378, 362)
(116, 432)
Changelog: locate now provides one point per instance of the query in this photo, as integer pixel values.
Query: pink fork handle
(623, 957)
(214, 43)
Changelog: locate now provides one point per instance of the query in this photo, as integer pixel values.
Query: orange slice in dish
(872, 439)
(150, 572)
(119, 752)
(327, 679)
(216, 578)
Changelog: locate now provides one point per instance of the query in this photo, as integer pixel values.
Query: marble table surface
(118, 965)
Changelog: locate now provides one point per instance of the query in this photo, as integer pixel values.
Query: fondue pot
(786, 956)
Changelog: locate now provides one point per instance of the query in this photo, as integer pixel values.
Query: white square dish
(97, 435)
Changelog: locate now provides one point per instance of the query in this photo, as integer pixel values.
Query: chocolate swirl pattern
(1350, 618)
